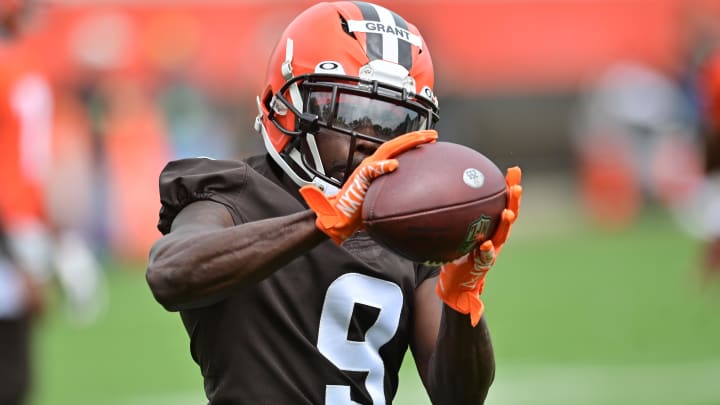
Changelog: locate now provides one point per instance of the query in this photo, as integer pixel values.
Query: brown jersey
(331, 327)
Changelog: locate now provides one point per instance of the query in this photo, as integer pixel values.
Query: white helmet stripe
(388, 37)
(390, 42)
(287, 72)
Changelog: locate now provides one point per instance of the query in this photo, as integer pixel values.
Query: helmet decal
(388, 37)
(329, 67)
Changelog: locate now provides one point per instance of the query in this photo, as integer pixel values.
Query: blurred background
(609, 291)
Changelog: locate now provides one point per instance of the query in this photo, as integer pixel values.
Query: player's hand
(338, 216)
(461, 282)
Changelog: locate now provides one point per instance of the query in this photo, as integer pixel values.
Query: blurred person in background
(635, 145)
(125, 126)
(704, 207)
(283, 300)
(21, 294)
(35, 249)
(21, 301)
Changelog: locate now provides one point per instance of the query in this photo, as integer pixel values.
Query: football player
(285, 299)
(33, 248)
(21, 294)
(635, 144)
(705, 207)
(21, 300)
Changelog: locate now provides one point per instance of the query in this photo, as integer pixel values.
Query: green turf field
(579, 316)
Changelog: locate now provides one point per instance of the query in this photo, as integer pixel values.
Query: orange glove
(339, 216)
(461, 282)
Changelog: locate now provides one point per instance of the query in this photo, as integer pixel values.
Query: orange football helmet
(353, 68)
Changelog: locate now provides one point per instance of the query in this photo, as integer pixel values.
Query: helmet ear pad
(265, 98)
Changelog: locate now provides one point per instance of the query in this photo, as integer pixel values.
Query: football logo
(478, 229)
(473, 178)
(329, 66)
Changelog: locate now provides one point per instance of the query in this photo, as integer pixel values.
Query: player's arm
(451, 342)
(454, 359)
(205, 256)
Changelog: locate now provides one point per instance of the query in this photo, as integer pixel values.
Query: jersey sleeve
(424, 272)
(185, 181)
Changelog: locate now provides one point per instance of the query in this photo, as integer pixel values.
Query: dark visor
(368, 116)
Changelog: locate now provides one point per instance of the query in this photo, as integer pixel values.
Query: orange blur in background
(123, 73)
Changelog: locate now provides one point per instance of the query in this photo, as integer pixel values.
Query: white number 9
(342, 295)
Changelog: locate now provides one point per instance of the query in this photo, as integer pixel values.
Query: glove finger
(503, 229)
(514, 197)
(376, 169)
(486, 248)
(513, 176)
(404, 142)
(484, 256)
(352, 196)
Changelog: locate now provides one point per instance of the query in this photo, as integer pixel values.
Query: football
(432, 208)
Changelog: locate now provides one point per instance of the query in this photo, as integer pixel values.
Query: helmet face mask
(373, 112)
(325, 80)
